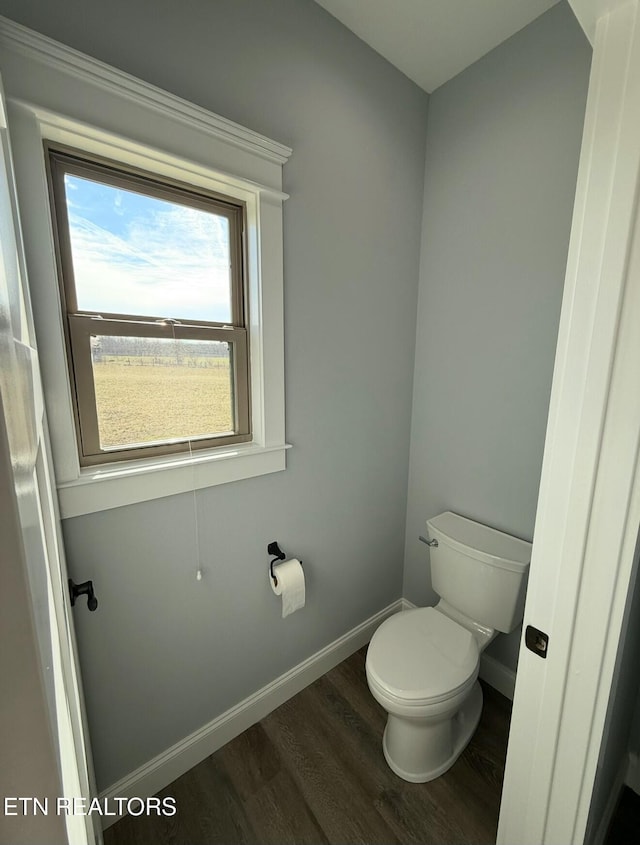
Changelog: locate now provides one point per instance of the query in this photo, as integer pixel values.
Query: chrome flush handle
(433, 543)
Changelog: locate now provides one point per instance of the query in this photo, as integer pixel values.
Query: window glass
(137, 254)
(151, 390)
(153, 281)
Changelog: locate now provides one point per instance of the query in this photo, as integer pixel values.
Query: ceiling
(432, 40)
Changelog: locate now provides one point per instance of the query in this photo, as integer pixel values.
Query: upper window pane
(136, 254)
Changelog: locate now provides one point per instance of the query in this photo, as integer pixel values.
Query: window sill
(102, 488)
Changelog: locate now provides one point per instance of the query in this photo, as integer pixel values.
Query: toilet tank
(479, 571)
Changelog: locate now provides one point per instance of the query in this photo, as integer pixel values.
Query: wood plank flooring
(313, 772)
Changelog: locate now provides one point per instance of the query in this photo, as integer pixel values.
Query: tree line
(158, 351)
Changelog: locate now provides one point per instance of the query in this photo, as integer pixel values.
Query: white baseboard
(494, 673)
(632, 775)
(175, 761)
(497, 675)
(612, 802)
(628, 775)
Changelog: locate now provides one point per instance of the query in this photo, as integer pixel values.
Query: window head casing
(153, 292)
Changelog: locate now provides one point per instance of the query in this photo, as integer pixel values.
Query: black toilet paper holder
(274, 549)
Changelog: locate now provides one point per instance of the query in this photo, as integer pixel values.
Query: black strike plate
(536, 641)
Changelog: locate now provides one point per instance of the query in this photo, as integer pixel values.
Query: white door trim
(36, 529)
(589, 505)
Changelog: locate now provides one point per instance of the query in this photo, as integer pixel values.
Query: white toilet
(422, 664)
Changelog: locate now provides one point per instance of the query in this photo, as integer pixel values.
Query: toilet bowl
(422, 668)
(422, 664)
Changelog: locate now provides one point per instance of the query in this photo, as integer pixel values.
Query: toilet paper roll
(289, 584)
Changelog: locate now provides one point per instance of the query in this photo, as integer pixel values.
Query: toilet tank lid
(481, 542)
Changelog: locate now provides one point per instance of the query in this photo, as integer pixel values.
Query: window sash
(82, 327)
(62, 161)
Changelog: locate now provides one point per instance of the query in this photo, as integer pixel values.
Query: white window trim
(58, 94)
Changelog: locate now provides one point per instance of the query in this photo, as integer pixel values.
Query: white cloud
(173, 263)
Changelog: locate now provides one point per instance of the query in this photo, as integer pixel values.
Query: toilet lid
(422, 655)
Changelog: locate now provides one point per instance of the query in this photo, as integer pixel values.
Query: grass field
(138, 404)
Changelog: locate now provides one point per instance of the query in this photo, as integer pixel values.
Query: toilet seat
(421, 657)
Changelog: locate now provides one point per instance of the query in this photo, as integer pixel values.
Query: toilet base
(421, 750)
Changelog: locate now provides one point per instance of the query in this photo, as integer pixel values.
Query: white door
(37, 527)
(589, 504)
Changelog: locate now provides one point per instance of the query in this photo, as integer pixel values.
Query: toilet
(422, 664)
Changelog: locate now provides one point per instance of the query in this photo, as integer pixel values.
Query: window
(97, 115)
(154, 310)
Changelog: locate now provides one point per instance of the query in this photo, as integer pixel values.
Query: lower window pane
(154, 390)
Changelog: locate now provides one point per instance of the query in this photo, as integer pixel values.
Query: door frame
(589, 503)
(52, 703)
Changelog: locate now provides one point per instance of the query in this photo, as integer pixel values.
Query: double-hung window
(152, 277)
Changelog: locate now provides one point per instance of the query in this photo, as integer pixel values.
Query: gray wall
(502, 153)
(165, 654)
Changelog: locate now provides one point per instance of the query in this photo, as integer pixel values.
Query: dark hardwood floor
(313, 772)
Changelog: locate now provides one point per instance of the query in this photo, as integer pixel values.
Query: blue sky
(136, 254)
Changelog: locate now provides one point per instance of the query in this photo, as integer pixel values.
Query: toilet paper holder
(278, 554)
(274, 549)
